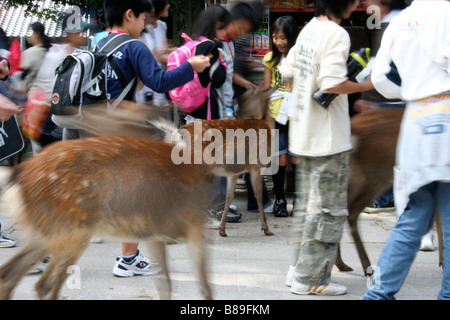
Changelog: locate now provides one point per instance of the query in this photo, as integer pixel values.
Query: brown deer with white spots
(249, 139)
(247, 146)
(108, 186)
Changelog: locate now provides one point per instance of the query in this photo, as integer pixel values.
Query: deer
(374, 137)
(230, 157)
(107, 186)
(251, 123)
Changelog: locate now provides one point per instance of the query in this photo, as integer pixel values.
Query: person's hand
(4, 69)
(199, 63)
(7, 108)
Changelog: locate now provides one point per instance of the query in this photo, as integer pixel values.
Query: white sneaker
(6, 242)
(331, 289)
(211, 223)
(140, 266)
(427, 242)
(40, 266)
(290, 276)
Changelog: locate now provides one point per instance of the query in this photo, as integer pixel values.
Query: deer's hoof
(268, 232)
(222, 233)
(344, 268)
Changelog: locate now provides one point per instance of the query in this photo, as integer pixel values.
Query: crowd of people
(315, 141)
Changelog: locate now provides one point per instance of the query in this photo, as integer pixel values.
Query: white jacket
(418, 42)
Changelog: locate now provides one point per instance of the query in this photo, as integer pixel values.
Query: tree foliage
(33, 7)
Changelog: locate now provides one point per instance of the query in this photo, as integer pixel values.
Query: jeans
(403, 244)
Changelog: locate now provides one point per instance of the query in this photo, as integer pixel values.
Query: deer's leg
(365, 261)
(231, 185)
(158, 250)
(13, 270)
(257, 184)
(61, 258)
(340, 264)
(198, 254)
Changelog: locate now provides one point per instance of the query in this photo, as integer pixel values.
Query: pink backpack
(190, 96)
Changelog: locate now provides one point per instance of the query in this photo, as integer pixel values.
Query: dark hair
(115, 9)
(208, 19)
(396, 4)
(243, 11)
(39, 29)
(159, 6)
(337, 7)
(290, 30)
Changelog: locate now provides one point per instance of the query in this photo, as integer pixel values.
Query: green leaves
(34, 8)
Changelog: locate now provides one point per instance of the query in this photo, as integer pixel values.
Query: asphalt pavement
(246, 265)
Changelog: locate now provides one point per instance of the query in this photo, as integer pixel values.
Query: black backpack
(81, 78)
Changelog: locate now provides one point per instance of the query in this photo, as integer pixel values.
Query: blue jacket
(135, 59)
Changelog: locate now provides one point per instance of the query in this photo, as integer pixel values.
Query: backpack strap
(116, 42)
(109, 48)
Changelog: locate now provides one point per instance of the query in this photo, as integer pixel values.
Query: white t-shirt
(318, 60)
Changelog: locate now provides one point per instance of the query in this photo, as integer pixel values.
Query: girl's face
(221, 32)
(165, 12)
(281, 41)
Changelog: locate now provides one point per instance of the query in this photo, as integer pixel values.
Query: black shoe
(376, 208)
(280, 209)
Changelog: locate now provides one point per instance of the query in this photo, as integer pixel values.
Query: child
(211, 24)
(243, 20)
(131, 60)
(155, 37)
(422, 171)
(284, 34)
(321, 136)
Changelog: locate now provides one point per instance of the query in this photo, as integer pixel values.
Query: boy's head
(341, 9)
(244, 20)
(116, 10)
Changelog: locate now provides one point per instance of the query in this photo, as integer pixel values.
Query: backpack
(190, 96)
(81, 79)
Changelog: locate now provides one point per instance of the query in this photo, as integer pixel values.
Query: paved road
(247, 265)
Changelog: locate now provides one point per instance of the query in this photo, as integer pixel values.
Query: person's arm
(383, 66)
(349, 87)
(7, 108)
(242, 82)
(4, 69)
(154, 77)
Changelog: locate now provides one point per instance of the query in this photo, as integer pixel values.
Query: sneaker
(331, 289)
(232, 216)
(140, 266)
(290, 276)
(6, 242)
(40, 266)
(376, 208)
(280, 208)
(427, 242)
(97, 240)
(211, 223)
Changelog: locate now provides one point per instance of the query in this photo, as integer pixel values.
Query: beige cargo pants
(320, 211)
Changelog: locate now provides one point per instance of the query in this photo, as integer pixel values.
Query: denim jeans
(403, 244)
